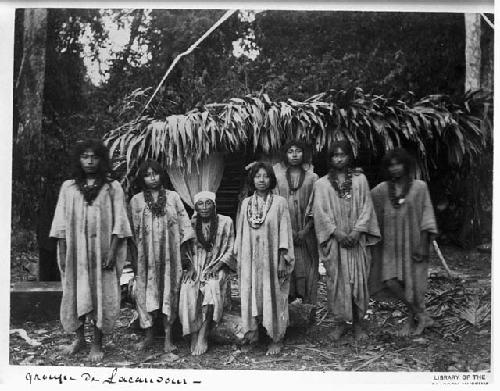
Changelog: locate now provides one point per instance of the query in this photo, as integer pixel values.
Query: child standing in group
(162, 230)
(91, 226)
(407, 222)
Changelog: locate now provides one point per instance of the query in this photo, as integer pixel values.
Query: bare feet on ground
(96, 354)
(144, 344)
(201, 345)
(74, 347)
(423, 321)
(274, 348)
(360, 333)
(338, 331)
(406, 330)
(168, 346)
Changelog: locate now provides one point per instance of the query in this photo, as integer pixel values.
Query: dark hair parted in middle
(143, 171)
(306, 153)
(401, 156)
(345, 146)
(100, 150)
(269, 171)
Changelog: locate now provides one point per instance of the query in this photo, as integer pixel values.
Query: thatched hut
(208, 148)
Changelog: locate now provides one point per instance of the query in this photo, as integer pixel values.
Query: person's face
(261, 180)
(89, 161)
(339, 159)
(396, 169)
(205, 208)
(152, 179)
(294, 155)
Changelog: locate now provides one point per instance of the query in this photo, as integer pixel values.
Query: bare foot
(274, 348)
(168, 346)
(251, 337)
(338, 331)
(74, 347)
(96, 354)
(423, 321)
(194, 341)
(144, 344)
(406, 329)
(201, 347)
(359, 333)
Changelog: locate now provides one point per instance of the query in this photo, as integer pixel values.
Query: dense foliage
(379, 64)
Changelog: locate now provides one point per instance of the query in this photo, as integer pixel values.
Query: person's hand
(189, 274)
(213, 272)
(110, 260)
(352, 239)
(341, 237)
(419, 257)
(295, 237)
(282, 274)
(301, 235)
(62, 254)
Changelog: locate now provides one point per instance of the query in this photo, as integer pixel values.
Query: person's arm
(110, 261)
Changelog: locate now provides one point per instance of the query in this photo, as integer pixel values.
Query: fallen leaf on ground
(24, 335)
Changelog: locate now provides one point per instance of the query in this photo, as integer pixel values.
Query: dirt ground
(459, 341)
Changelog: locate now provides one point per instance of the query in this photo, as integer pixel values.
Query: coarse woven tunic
(202, 291)
(401, 230)
(159, 268)
(88, 229)
(306, 253)
(347, 268)
(257, 254)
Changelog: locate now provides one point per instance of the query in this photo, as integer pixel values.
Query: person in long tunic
(264, 252)
(407, 223)
(295, 184)
(91, 226)
(345, 225)
(203, 291)
(162, 230)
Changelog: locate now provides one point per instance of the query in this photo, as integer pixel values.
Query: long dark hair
(101, 151)
(143, 171)
(403, 157)
(345, 146)
(255, 169)
(306, 153)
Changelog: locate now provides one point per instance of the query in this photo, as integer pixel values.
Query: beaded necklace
(292, 189)
(343, 190)
(90, 192)
(207, 243)
(257, 215)
(399, 200)
(157, 208)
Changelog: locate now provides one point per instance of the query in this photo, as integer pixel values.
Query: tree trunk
(28, 149)
(472, 52)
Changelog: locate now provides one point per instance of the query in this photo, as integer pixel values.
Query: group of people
(367, 241)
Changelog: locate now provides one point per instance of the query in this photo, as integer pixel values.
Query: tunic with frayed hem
(203, 291)
(401, 230)
(88, 229)
(305, 275)
(347, 268)
(257, 254)
(159, 268)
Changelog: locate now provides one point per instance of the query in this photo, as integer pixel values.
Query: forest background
(283, 54)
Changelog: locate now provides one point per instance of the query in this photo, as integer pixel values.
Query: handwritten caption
(114, 378)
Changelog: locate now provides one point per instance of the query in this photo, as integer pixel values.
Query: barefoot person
(91, 226)
(162, 230)
(264, 251)
(406, 217)
(295, 184)
(203, 289)
(345, 224)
